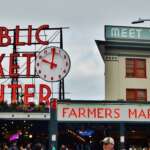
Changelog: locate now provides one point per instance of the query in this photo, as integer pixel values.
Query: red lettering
(1, 93)
(117, 113)
(64, 112)
(28, 56)
(108, 113)
(17, 42)
(132, 113)
(100, 112)
(46, 98)
(14, 94)
(29, 35)
(4, 36)
(148, 111)
(82, 112)
(28, 95)
(1, 68)
(13, 68)
(37, 34)
(72, 113)
(91, 112)
(142, 114)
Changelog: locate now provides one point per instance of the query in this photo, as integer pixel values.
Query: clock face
(52, 64)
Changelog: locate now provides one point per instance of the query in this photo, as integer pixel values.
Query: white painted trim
(24, 116)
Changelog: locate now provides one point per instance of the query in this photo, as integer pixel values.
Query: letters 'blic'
(6, 40)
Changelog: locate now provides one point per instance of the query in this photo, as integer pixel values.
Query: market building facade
(125, 52)
(126, 57)
(81, 125)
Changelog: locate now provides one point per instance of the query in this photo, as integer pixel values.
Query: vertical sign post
(15, 79)
(53, 125)
(122, 136)
(61, 83)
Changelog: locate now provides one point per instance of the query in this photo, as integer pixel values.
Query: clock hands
(52, 64)
(44, 60)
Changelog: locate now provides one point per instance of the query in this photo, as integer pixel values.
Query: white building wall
(111, 79)
(116, 82)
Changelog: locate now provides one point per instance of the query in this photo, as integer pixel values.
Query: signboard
(50, 64)
(32, 36)
(99, 112)
(125, 33)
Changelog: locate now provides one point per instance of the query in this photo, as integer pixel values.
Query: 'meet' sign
(127, 33)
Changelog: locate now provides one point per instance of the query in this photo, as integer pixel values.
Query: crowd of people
(107, 144)
(22, 146)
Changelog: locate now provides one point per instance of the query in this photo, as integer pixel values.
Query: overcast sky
(86, 19)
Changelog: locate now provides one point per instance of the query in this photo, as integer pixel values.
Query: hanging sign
(125, 33)
(99, 112)
(51, 64)
(6, 38)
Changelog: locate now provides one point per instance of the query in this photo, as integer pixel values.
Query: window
(136, 95)
(135, 68)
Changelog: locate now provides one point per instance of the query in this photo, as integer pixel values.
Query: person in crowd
(4, 146)
(63, 147)
(108, 143)
(22, 147)
(38, 146)
(29, 146)
(13, 147)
